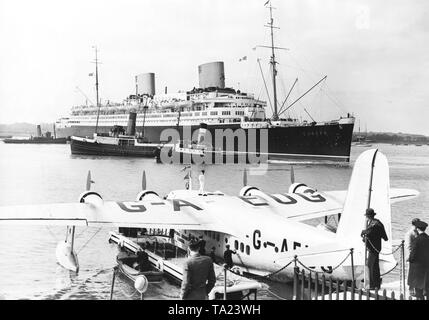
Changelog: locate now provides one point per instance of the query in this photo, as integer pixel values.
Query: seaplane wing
(175, 214)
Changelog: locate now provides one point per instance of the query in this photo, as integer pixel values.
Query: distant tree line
(392, 137)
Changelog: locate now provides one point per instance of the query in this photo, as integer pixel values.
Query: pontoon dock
(237, 287)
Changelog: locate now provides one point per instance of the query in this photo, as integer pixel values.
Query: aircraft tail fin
(369, 188)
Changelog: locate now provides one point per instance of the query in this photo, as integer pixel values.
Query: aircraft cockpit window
(242, 247)
(236, 245)
(248, 250)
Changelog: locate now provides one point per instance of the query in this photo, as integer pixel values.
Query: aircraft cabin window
(248, 250)
(236, 245)
(242, 247)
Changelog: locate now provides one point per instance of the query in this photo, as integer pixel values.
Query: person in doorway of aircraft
(202, 243)
(227, 257)
(201, 179)
(372, 236)
(198, 275)
(410, 238)
(418, 276)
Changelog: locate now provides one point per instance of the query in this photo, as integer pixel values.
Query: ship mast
(273, 61)
(96, 87)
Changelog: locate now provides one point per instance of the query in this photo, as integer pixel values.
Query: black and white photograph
(227, 150)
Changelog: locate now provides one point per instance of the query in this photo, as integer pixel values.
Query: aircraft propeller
(292, 175)
(144, 180)
(245, 177)
(89, 181)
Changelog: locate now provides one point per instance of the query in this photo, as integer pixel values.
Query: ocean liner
(220, 108)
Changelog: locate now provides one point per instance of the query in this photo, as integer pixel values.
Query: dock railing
(309, 284)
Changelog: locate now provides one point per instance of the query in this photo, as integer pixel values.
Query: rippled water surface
(31, 174)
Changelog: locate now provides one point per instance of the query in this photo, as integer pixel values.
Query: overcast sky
(375, 54)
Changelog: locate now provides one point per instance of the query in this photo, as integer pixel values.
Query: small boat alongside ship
(116, 143)
(47, 138)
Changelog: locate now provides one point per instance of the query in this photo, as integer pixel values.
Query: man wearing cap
(418, 276)
(373, 234)
(198, 275)
(410, 237)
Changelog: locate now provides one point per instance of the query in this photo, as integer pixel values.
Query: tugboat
(46, 138)
(117, 143)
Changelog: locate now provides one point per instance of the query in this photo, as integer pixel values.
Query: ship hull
(327, 142)
(79, 147)
(37, 141)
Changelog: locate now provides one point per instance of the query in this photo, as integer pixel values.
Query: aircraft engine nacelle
(91, 197)
(247, 191)
(148, 195)
(300, 188)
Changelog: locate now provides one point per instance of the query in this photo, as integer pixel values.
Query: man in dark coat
(198, 275)
(410, 237)
(213, 254)
(202, 243)
(372, 236)
(418, 276)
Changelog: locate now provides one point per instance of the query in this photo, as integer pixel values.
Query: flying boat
(269, 231)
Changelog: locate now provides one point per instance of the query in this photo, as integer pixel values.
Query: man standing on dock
(410, 238)
(198, 275)
(372, 236)
(418, 276)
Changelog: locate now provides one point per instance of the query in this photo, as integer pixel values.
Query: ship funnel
(131, 129)
(146, 83)
(212, 74)
(39, 130)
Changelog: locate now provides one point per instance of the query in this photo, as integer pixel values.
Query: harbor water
(33, 174)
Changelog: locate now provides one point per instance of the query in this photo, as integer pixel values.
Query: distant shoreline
(392, 138)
